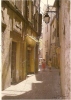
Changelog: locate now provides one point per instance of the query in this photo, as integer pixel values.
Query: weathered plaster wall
(6, 49)
(64, 30)
(70, 48)
(16, 29)
(9, 18)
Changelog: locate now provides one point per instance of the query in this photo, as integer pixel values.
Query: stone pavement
(44, 85)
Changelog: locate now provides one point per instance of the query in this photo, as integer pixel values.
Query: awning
(31, 41)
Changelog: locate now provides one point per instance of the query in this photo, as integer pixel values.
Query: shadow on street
(43, 85)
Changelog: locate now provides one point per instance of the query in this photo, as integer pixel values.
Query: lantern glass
(46, 18)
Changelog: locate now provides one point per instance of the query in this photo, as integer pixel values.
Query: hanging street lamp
(46, 16)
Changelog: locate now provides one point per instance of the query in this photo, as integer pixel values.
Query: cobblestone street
(44, 85)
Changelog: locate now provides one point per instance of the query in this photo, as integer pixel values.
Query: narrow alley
(35, 34)
(44, 85)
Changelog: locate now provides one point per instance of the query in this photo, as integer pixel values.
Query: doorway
(28, 61)
(13, 63)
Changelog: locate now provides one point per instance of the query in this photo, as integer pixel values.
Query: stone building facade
(21, 27)
(45, 37)
(64, 26)
(64, 10)
(54, 43)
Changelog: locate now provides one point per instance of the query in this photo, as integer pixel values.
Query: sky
(44, 3)
(50, 2)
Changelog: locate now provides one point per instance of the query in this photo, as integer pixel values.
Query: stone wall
(70, 48)
(11, 32)
(6, 49)
(64, 32)
(14, 43)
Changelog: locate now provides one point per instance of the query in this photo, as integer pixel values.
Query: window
(47, 28)
(64, 30)
(54, 33)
